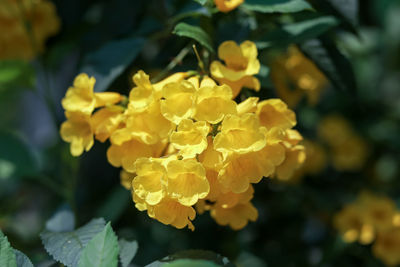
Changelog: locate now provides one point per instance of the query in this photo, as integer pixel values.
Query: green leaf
(193, 256)
(281, 6)
(191, 263)
(102, 250)
(115, 204)
(16, 157)
(16, 74)
(108, 62)
(66, 247)
(22, 259)
(195, 33)
(62, 221)
(201, 2)
(331, 62)
(7, 256)
(298, 32)
(127, 251)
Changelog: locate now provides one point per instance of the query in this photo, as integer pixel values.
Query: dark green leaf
(193, 254)
(22, 259)
(62, 221)
(7, 256)
(16, 74)
(108, 62)
(16, 157)
(189, 262)
(114, 204)
(127, 251)
(331, 62)
(281, 6)
(67, 247)
(102, 250)
(298, 32)
(194, 32)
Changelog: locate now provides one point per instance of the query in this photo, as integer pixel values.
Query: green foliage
(298, 32)
(7, 255)
(102, 250)
(62, 221)
(282, 6)
(16, 75)
(22, 259)
(110, 61)
(189, 262)
(127, 251)
(195, 33)
(194, 257)
(66, 247)
(16, 156)
(114, 204)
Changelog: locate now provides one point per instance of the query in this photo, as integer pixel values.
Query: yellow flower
(105, 121)
(213, 102)
(190, 138)
(126, 153)
(81, 98)
(141, 96)
(151, 180)
(295, 70)
(178, 101)
(247, 106)
(241, 64)
(169, 211)
(240, 134)
(149, 126)
(77, 130)
(316, 158)
(295, 156)
(230, 199)
(379, 211)
(187, 182)
(227, 5)
(387, 247)
(236, 217)
(351, 225)
(240, 170)
(275, 113)
(18, 42)
(211, 158)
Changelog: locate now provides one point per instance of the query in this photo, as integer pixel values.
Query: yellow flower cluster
(184, 142)
(296, 77)
(25, 25)
(349, 151)
(227, 5)
(372, 219)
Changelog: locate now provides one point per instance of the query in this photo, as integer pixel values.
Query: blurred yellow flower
(241, 64)
(387, 247)
(275, 113)
(227, 5)
(77, 130)
(25, 26)
(126, 179)
(295, 77)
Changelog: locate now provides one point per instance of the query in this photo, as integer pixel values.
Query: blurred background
(38, 176)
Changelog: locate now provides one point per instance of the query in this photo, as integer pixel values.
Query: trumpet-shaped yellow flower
(350, 155)
(125, 154)
(214, 103)
(178, 101)
(236, 217)
(211, 158)
(187, 182)
(81, 98)
(77, 130)
(275, 113)
(240, 134)
(171, 212)
(387, 247)
(151, 180)
(141, 96)
(241, 64)
(248, 106)
(190, 138)
(105, 121)
(227, 5)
